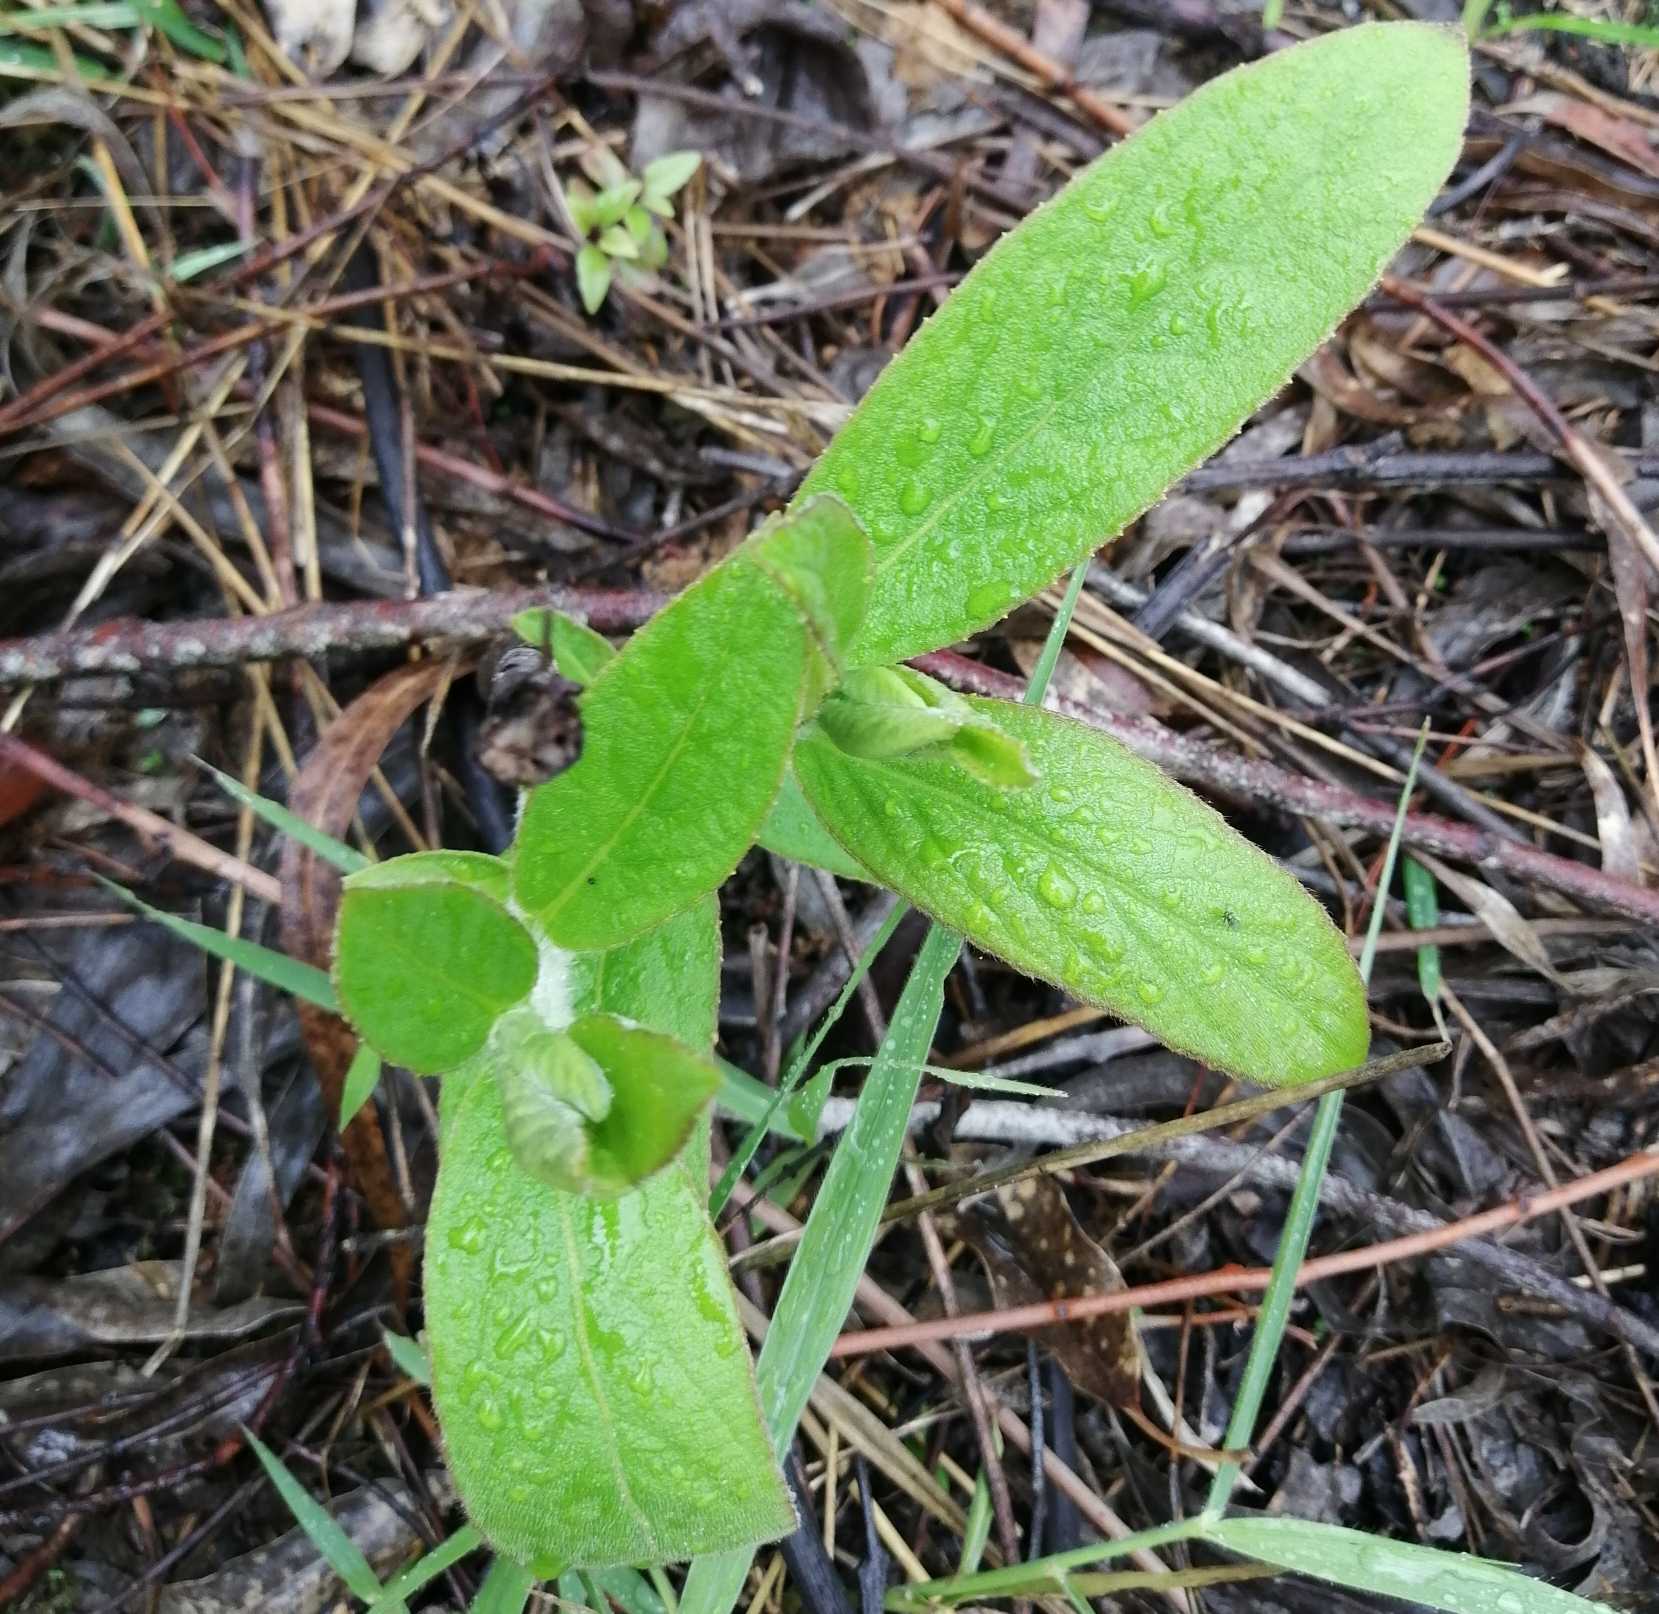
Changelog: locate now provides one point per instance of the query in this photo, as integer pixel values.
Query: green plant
(1603, 29)
(619, 221)
(586, 1360)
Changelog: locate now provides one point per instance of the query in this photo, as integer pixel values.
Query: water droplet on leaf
(1056, 888)
(914, 498)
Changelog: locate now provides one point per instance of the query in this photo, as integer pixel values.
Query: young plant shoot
(588, 1367)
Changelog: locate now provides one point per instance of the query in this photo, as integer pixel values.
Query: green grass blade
(190, 264)
(345, 858)
(506, 1589)
(449, 1551)
(263, 963)
(779, 1096)
(362, 1078)
(819, 1288)
(1607, 33)
(1453, 1581)
(1274, 1314)
(337, 1548)
(166, 17)
(116, 14)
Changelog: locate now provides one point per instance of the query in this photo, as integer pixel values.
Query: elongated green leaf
(362, 1077)
(343, 857)
(818, 1290)
(1125, 330)
(342, 1554)
(1114, 882)
(685, 737)
(428, 1567)
(424, 970)
(561, 1326)
(506, 1589)
(263, 963)
(1452, 1581)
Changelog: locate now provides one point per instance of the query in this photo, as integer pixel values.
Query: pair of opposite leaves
(1114, 339)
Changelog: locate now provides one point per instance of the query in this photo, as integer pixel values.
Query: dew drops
(848, 483)
(1030, 384)
(1098, 209)
(979, 917)
(1103, 946)
(1056, 888)
(1211, 974)
(935, 854)
(487, 1410)
(1146, 282)
(989, 597)
(984, 438)
(514, 1334)
(468, 1238)
(1093, 902)
(1161, 221)
(1255, 955)
(893, 807)
(550, 1343)
(547, 1290)
(1149, 992)
(929, 430)
(1179, 324)
(1059, 793)
(914, 497)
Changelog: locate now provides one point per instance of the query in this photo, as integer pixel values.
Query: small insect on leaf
(1114, 882)
(686, 732)
(425, 964)
(1125, 330)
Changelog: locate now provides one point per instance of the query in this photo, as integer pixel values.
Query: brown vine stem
(1526, 1208)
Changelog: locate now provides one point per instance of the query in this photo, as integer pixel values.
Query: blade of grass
(338, 1549)
(835, 1244)
(1274, 1314)
(428, 1567)
(345, 858)
(1454, 1581)
(362, 1077)
(779, 1096)
(263, 963)
(506, 1589)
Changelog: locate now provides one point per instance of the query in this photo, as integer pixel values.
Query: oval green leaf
(686, 733)
(561, 1326)
(1112, 881)
(1124, 331)
(424, 970)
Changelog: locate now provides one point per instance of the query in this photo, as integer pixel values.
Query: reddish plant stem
(1239, 1280)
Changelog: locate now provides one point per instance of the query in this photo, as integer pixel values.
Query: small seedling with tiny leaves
(620, 221)
(587, 1363)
